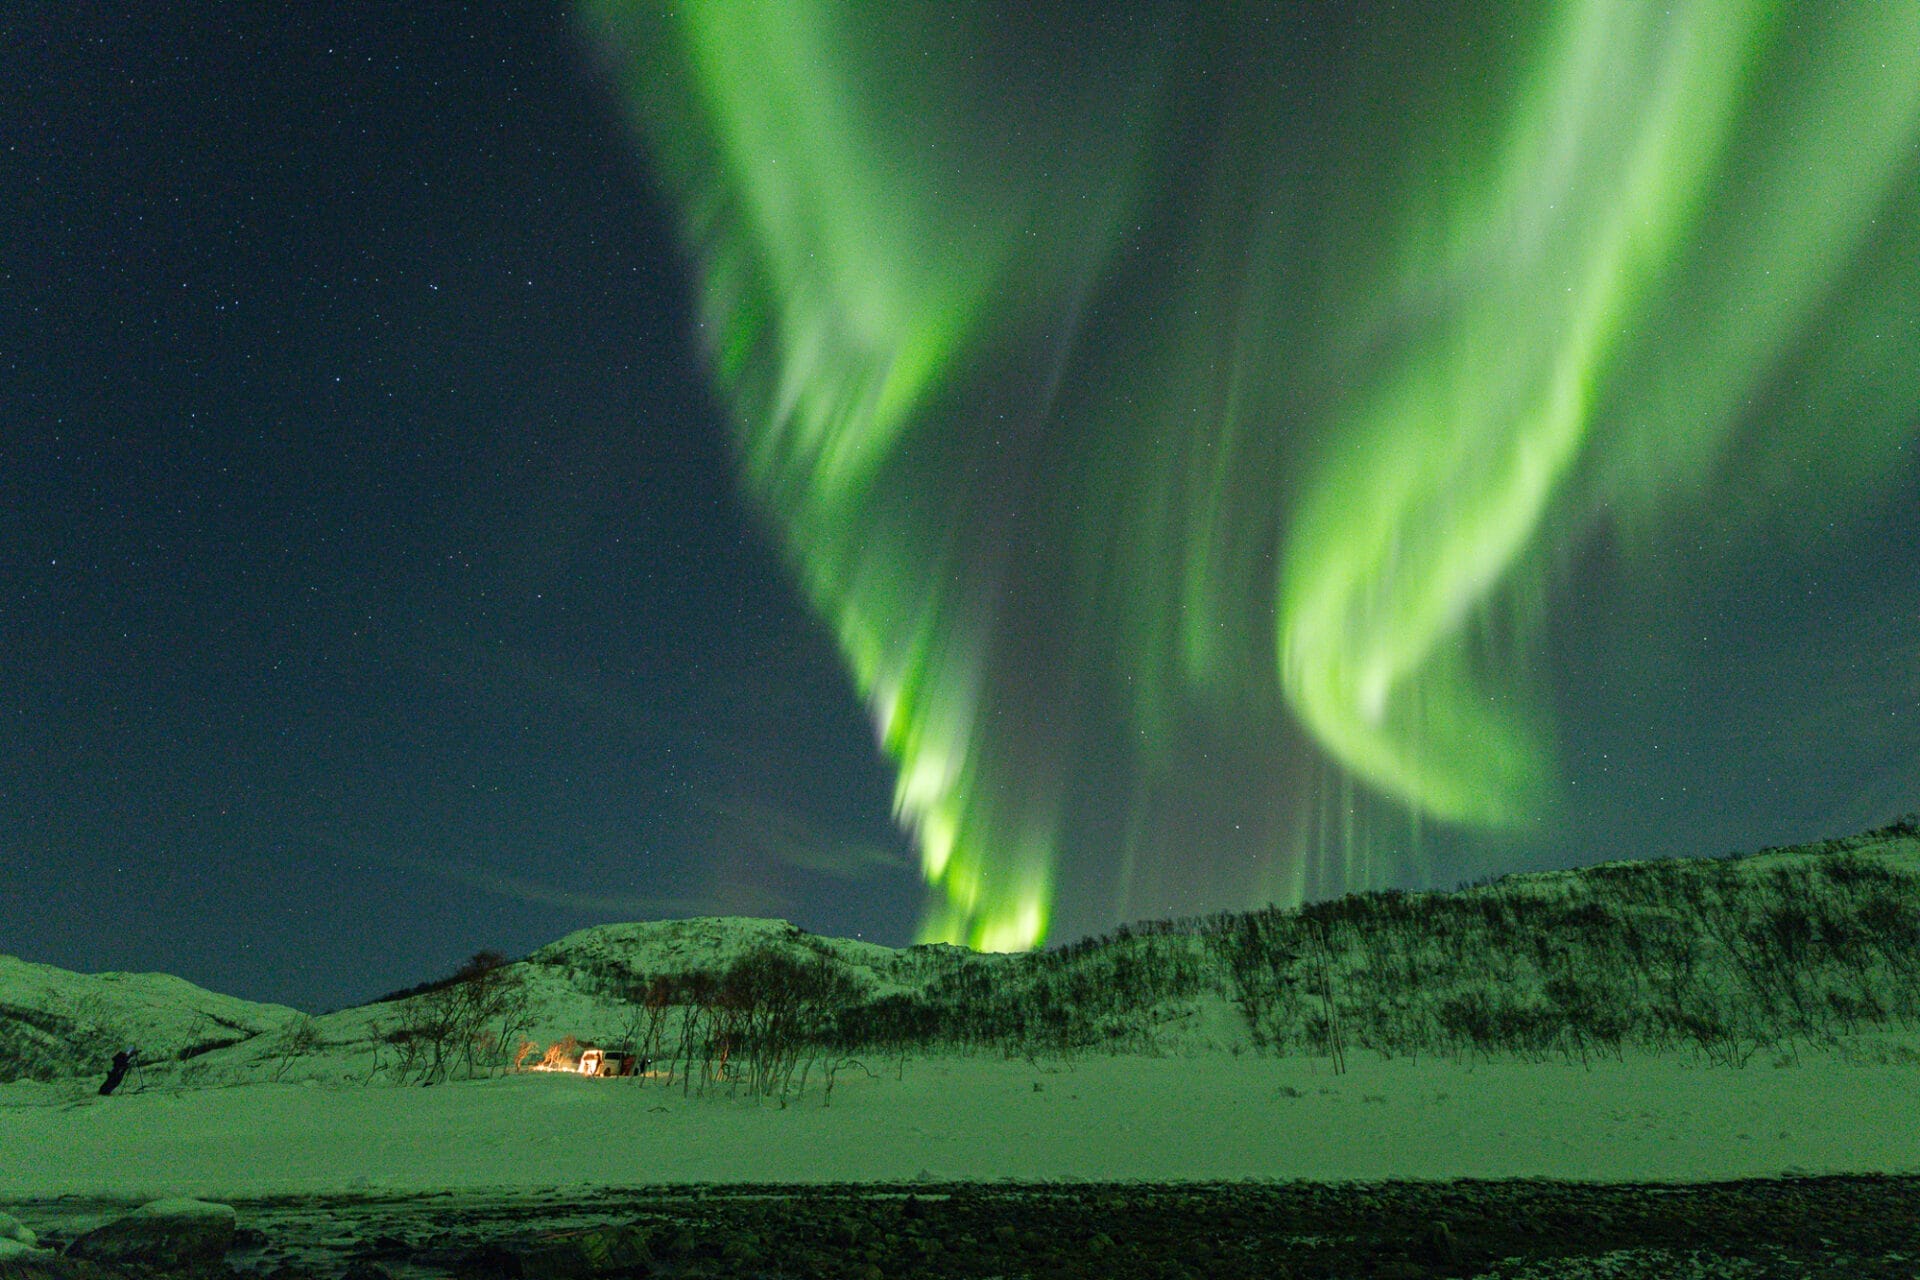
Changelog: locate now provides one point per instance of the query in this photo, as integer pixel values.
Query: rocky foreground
(1860, 1228)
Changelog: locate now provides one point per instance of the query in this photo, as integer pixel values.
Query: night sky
(376, 588)
(470, 474)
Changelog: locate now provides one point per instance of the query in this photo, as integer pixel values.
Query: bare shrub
(296, 1040)
(460, 1026)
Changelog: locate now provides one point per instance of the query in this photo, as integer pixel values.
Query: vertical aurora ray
(1442, 480)
(858, 236)
(1447, 474)
(1179, 420)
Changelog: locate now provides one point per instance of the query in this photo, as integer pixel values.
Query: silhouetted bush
(460, 1025)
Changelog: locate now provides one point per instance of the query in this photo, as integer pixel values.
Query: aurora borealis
(978, 471)
(1230, 441)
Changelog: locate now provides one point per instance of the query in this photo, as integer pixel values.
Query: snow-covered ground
(244, 1100)
(1211, 1116)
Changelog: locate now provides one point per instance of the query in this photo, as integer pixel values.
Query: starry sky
(376, 584)
(972, 473)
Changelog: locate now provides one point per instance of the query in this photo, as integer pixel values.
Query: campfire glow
(567, 1055)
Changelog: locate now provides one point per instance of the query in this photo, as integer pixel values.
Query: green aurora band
(1209, 405)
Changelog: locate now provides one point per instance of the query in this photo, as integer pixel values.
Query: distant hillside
(57, 1023)
(1813, 946)
(1719, 957)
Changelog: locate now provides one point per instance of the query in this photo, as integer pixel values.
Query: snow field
(1208, 1117)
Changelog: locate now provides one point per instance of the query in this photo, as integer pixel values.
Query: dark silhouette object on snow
(122, 1063)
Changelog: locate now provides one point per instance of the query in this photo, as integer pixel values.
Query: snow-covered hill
(612, 953)
(1701, 1019)
(1719, 959)
(56, 1023)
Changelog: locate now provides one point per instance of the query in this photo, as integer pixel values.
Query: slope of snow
(584, 985)
(707, 944)
(1892, 847)
(310, 1104)
(1217, 1116)
(55, 1022)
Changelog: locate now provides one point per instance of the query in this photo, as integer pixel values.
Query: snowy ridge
(1696, 1020)
(610, 955)
(1718, 959)
(54, 1022)
(1896, 847)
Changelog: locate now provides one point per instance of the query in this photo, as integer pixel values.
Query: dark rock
(683, 1243)
(1400, 1269)
(168, 1235)
(292, 1271)
(566, 1255)
(1437, 1245)
(517, 1261)
(52, 1266)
